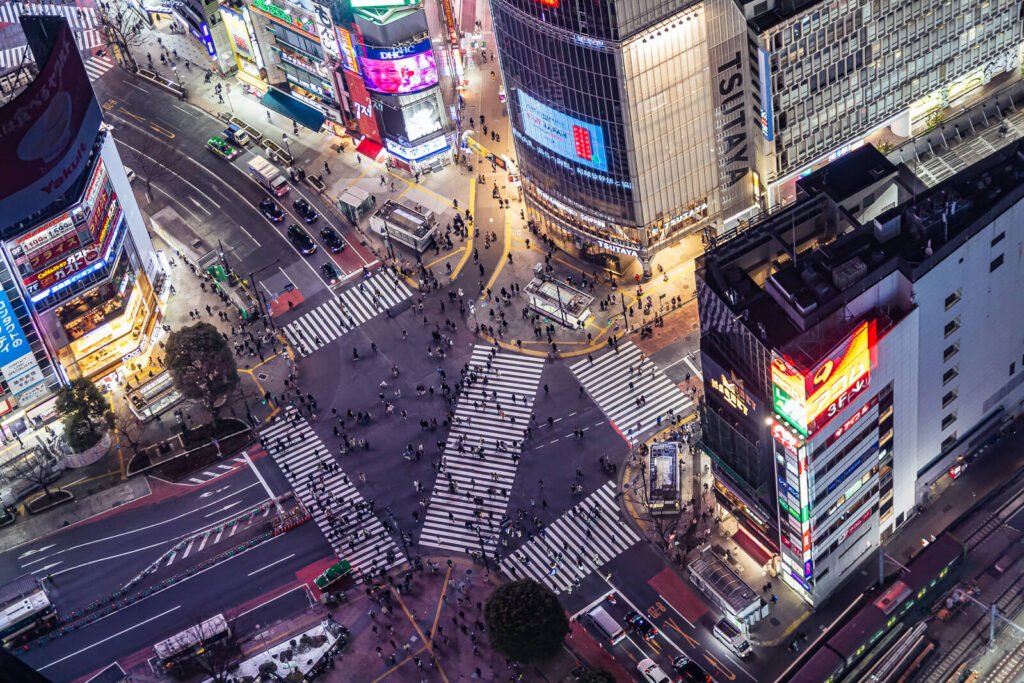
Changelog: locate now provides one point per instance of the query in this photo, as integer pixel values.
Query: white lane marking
(226, 507)
(693, 367)
(35, 551)
(268, 566)
(250, 236)
(108, 638)
(199, 206)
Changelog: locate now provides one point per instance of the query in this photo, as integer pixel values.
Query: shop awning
(751, 546)
(370, 149)
(294, 109)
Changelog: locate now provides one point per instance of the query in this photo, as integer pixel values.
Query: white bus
(25, 611)
(663, 478)
(192, 642)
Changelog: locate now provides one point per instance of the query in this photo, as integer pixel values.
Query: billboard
(809, 400)
(348, 50)
(362, 106)
(399, 70)
(767, 113)
(417, 152)
(412, 122)
(566, 136)
(13, 343)
(46, 132)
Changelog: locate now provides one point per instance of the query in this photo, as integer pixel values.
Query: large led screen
(562, 134)
(401, 70)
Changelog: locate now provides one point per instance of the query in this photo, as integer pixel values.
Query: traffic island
(181, 455)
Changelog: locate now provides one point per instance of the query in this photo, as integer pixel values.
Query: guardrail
(162, 83)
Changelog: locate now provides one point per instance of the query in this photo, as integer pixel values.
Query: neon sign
(809, 400)
(732, 393)
(851, 421)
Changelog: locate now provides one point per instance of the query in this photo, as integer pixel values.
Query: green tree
(596, 676)
(525, 621)
(87, 414)
(202, 365)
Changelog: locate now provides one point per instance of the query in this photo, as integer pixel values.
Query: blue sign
(396, 51)
(767, 113)
(13, 344)
(566, 136)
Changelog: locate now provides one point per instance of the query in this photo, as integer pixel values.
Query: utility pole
(625, 317)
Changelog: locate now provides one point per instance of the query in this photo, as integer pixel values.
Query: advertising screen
(348, 50)
(13, 343)
(422, 118)
(362, 106)
(46, 132)
(398, 71)
(566, 136)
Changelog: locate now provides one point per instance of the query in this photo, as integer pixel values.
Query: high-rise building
(639, 122)
(78, 272)
(854, 359)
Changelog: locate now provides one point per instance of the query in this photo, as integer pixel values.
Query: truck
(237, 135)
(267, 175)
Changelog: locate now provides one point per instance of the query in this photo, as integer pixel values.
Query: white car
(651, 672)
(130, 173)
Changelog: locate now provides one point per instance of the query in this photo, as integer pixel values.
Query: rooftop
(727, 583)
(801, 264)
(780, 12)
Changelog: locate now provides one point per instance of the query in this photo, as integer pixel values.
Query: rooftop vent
(849, 272)
(888, 230)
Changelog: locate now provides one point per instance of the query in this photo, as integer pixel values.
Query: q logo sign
(823, 373)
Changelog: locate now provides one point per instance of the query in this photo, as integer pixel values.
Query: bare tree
(130, 430)
(124, 30)
(154, 162)
(214, 655)
(39, 467)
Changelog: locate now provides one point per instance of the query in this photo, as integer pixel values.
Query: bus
(192, 642)
(25, 611)
(663, 480)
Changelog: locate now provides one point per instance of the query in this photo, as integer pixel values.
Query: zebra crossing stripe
(97, 66)
(471, 492)
(585, 538)
(352, 307)
(361, 538)
(607, 379)
(79, 18)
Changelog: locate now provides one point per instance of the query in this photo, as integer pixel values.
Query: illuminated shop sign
(375, 4)
(13, 343)
(96, 183)
(348, 50)
(39, 296)
(536, 148)
(54, 230)
(397, 51)
(550, 3)
(417, 152)
(362, 106)
(567, 136)
(785, 438)
(414, 69)
(303, 24)
(809, 400)
(857, 524)
(732, 392)
(851, 421)
(767, 124)
(325, 27)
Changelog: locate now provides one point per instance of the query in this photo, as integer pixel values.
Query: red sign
(363, 107)
(785, 437)
(856, 525)
(47, 131)
(851, 421)
(54, 250)
(550, 3)
(40, 237)
(65, 268)
(849, 392)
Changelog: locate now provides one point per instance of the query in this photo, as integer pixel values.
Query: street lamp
(284, 139)
(174, 68)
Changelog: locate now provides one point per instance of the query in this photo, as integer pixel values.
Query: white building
(870, 331)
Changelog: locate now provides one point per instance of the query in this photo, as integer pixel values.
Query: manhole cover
(262, 376)
(773, 621)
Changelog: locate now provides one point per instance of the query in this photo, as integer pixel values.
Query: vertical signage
(362, 106)
(767, 115)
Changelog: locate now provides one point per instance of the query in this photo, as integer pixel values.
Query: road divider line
(109, 638)
(268, 566)
(250, 236)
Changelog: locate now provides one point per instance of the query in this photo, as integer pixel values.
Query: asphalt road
(268, 566)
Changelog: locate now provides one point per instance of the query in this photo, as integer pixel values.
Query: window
(948, 420)
(952, 299)
(998, 238)
(996, 262)
(950, 351)
(948, 442)
(951, 327)
(949, 398)
(950, 374)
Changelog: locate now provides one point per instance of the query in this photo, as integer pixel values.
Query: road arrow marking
(35, 551)
(49, 566)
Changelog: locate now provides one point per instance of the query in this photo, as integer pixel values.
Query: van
(731, 636)
(604, 623)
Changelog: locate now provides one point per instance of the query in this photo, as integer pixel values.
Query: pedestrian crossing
(588, 536)
(97, 66)
(351, 308)
(350, 525)
(651, 400)
(481, 454)
(80, 18)
(218, 470)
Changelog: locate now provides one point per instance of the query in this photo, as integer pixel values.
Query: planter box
(90, 455)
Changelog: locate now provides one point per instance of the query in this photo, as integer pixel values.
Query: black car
(301, 240)
(640, 625)
(330, 273)
(307, 212)
(332, 240)
(271, 211)
(690, 671)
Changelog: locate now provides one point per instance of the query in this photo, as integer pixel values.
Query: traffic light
(266, 397)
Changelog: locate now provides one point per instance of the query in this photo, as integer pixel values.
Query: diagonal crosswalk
(350, 309)
(588, 536)
(480, 457)
(350, 525)
(78, 17)
(99, 65)
(631, 390)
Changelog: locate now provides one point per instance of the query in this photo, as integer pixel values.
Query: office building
(78, 273)
(855, 355)
(638, 123)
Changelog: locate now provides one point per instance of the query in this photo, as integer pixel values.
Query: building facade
(857, 362)
(78, 273)
(637, 123)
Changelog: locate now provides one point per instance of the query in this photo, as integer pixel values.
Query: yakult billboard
(47, 131)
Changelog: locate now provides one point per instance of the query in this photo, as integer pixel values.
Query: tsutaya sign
(808, 400)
